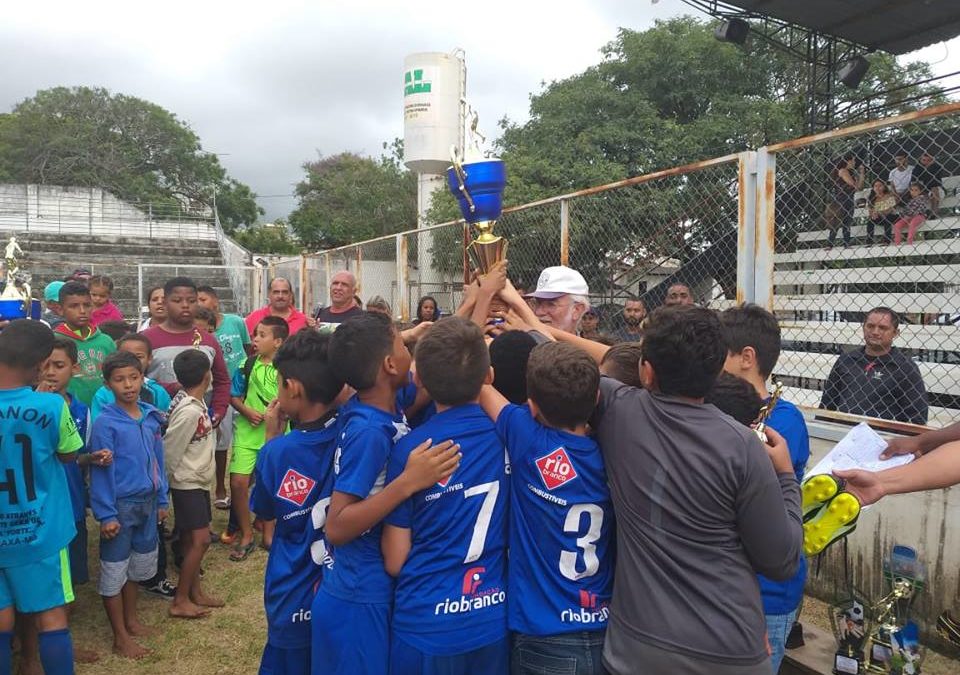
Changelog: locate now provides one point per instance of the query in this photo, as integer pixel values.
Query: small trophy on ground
(850, 626)
(478, 182)
(893, 643)
(15, 300)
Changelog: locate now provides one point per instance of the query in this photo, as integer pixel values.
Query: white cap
(557, 281)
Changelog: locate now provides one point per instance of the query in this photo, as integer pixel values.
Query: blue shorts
(407, 660)
(79, 569)
(279, 661)
(348, 638)
(37, 586)
(132, 554)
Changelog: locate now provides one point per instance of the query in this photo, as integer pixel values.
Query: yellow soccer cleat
(816, 491)
(832, 522)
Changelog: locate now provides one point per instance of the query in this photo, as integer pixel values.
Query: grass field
(228, 642)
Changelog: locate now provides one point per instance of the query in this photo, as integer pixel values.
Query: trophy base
(11, 309)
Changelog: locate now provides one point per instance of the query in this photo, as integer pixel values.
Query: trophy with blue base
(478, 182)
(15, 299)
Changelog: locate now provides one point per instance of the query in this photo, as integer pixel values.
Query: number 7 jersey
(451, 593)
(561, 528)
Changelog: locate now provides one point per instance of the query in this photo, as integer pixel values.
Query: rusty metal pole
(766, 228)
(564, 232)
(359, 273)
(402, 272)
(746, 226)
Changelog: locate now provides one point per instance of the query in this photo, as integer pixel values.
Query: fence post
(402, 290)
(359, 273)
(746, 226)
(26, 208)
(766, 228)
(564, 232)
(139, 289)
(303, 283)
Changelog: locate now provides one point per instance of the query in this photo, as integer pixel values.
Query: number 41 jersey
(451, 593)
(561, 528)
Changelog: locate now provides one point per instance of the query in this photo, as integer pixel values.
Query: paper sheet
(859, 449)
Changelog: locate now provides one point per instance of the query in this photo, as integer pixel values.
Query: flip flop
(816, 491)
(223, 504)
(831, 523)
(241, 553)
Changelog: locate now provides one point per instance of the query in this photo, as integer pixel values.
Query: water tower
(434, 114)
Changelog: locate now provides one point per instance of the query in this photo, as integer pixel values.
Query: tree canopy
(88, 137)
(346, 198)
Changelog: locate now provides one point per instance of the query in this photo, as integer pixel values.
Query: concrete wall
(927, 521)
(92, 211)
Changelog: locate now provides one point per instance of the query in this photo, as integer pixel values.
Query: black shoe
(162, 589)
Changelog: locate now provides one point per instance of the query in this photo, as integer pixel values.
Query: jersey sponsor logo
(295, 487)
(591, 610)
(472, 596)
(471, 580)
(445, 482)
(556, 469)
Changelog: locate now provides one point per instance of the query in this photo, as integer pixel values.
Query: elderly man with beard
(634, 312)
(561, 298)
(281, 304)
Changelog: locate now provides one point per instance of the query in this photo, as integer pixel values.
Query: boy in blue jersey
(561, 516)
(753, 347)
(294, 479)
(350, 613)
(36, 518)
(128, 498)
(446, 545)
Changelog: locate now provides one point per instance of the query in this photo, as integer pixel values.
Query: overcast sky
(268, 85)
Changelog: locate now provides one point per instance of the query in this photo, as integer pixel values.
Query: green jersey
(233, 337)
(257, 392)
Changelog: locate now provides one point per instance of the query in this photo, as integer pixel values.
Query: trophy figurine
(478, 182)
(850, 627)
(893, 642)
(15, 300)
(765, 411)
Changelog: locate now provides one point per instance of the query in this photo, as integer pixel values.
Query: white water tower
(434, 114)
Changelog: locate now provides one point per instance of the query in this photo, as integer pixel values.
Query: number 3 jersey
(561, 528)
(294, 475)
(451, 592)
(36, 516)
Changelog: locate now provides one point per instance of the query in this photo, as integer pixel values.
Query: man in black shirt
(930, 175)
(877, 380)
(343, 287)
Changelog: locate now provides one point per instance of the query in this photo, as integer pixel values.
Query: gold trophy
(765, 411)
(478, 182)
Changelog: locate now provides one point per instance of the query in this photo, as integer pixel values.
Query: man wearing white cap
(561, 298)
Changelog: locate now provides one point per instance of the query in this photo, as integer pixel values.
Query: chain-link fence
(797, 227)
(864, 220)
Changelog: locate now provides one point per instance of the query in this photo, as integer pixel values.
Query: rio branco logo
(473, 596)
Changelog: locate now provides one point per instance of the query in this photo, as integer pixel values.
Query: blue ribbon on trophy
(15, 300)
(478, 182)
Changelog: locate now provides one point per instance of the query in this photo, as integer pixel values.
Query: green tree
(346, 198)
(272, 238)
(133, 148)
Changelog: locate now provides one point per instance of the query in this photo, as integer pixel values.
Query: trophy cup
(765, 411)
(15, 300)
(850, 626)
(893, 646)
(478, 182)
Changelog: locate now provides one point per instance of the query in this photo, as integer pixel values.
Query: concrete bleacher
(51, 256)
(821, 294)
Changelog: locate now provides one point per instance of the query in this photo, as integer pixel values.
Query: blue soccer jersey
(367, 435)
(294, 479)
(36, 517)
(451, 592)
(561, 528)
(78, 490)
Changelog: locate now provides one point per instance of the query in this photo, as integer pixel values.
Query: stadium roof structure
(894, 26)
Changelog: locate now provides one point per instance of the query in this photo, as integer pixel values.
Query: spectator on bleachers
(929, 174)
(877, 380)
(913, 214)
(882, 206)
(901, 174)
(845, 179)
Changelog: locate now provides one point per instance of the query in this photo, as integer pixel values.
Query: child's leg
(240, 505)
(915, 222)
(898, 229)
(29, 648)
(201, 543)
(268, 527)
(7, 619)
(220, 458)
(182, 606)
(123, 643)
(56, 646)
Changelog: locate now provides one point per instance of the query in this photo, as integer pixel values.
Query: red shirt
(295, 320)
(107, 312)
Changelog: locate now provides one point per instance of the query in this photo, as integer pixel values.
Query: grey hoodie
(189, 444)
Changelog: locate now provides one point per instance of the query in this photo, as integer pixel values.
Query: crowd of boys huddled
(459, 498)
